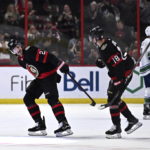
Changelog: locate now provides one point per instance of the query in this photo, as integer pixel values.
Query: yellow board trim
(72, 101)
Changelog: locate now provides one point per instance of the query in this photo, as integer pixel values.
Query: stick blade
(93, 104)
(102, 106)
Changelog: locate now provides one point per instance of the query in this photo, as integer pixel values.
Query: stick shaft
(92, 100)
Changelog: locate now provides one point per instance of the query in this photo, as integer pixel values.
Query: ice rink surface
(88, 124)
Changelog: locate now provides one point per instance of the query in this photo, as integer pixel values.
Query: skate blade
(64, 133)
(38, 133)
(135, 127)
(146, 117)
(115, 136)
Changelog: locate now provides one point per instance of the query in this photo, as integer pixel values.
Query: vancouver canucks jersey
(145, 62)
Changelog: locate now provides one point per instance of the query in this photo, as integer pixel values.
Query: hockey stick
(92, 100)
(103, 106)
(138, 61)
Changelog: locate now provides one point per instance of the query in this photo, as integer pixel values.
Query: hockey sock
(147, 100)
(59, 112)
(123, 108)
(147, 91)
(115, 115)
(35, 112)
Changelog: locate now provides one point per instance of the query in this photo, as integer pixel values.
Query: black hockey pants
(117, 105)
(48, 86)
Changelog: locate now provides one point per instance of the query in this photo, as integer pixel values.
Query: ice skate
(132, 126)
(146, 112)
(146, 117)
(114, 132)
(63, 130)
(39, 129)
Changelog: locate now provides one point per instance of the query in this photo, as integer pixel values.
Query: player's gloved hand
(64, 68)
(99, 63)
(58, 78)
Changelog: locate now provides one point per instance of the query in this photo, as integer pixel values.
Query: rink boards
(14, 81)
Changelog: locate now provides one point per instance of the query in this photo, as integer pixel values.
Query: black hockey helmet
(97, 32)
(12, 44)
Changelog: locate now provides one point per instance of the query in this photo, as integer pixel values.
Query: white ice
(88, 124)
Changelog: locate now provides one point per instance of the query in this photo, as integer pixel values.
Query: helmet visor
(92, 39)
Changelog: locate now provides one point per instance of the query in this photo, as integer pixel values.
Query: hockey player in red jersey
(43, 66)
(119, 67)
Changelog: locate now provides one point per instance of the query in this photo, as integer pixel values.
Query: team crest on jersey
(103, 47)
(33, 70)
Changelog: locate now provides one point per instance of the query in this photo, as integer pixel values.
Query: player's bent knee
(28, 99)
(52, 99)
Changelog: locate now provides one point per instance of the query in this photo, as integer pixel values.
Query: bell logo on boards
(89, 84)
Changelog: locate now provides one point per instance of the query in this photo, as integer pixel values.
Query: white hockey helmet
(147, 31)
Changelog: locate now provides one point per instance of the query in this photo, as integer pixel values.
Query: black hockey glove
(99, 63)
(58, 78)
(64, 69)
